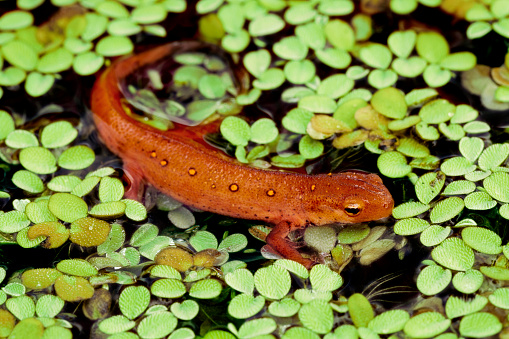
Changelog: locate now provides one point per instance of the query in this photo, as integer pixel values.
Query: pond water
(414, 91)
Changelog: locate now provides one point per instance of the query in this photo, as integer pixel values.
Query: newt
(180, 164)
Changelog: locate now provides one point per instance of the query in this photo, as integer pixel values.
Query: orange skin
(179, 163)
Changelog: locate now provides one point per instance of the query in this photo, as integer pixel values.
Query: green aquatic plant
(343, 87)
(81, 36)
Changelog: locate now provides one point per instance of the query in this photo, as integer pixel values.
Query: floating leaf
(493, 156)
(393, 164)
(76, 158)
(78, 267)
(37, 84)
(116, 324)
(187, 310)
(168, 288)
(360, 310)
(454, 254)
(496, 185)
(479, 201)
(476, 127)
(426, 325)
(457, 307)
(427, 132)
(28, 181)
(55, 61)
(434, 235)
(86, 186)
(110, 189)
(89, 232)
(179, 259)
(409, 209)
(290, 48)
(143, 235)
(459, 187)
(244, 306)
(133, 301)
(317, 316)
(19, 54)
(429, 186)
(206, 289)
(433, 279)
(107, 210)
(63, 183)
(28, 328)
(13, 221)
(353, 234)
(304, 295)
(266, 25)
(272, 282)
(236, 131)
(242, 280)
(464, 114)
(38, 160)
(67, 207)
(299, 332)
(482, 240)
(87, 63)
(317, 104)
(58, 134)
(323, 278)
(479, 325)
(388, 322)
(446, 209)
(468, 281)
(390, 102)
(285, 307)
(495, 272)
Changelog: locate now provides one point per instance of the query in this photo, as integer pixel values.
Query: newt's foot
(278, 242)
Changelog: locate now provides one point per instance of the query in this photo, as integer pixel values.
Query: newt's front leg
(277, 240)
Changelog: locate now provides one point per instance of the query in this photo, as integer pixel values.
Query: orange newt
(180, 164)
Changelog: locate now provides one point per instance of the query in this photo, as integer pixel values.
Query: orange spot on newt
(192, 172)
(271, 193)
(347, 197)
(153, 154)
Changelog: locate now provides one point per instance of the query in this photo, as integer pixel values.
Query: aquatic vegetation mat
(417, 91)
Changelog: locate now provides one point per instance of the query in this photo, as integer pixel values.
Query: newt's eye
(353, 209)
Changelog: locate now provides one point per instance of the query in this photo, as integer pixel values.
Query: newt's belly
(179, 164)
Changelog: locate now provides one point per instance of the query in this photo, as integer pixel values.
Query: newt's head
(348, 197)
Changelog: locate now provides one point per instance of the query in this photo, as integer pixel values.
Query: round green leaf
(38, 160)
(76, 158)
(454, 254)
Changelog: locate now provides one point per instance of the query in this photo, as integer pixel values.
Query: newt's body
(178, 163)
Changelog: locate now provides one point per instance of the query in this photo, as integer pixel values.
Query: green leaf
(244, 306)
(454, 254)
(38, 160)
(133, 301)
(317, 316)
(76, 158)
(58, 134)
(272, 282)
(433, 279)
